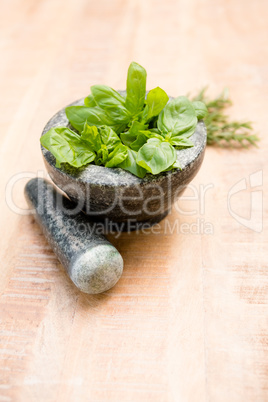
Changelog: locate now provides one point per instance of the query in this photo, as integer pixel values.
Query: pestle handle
(91, 261)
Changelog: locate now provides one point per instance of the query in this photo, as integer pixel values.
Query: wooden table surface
(188, 321)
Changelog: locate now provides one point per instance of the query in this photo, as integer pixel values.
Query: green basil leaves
(131, 165)
(137, 133)
(178, 118)
(155, 102)
(200, 109)
(156, 156)
(136, 88)
(67, 147)
(95, 116)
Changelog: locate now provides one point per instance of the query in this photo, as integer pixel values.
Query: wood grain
(188, 319)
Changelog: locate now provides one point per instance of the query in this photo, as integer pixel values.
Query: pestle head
(97, 269)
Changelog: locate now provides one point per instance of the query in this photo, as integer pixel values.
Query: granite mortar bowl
(117, 196)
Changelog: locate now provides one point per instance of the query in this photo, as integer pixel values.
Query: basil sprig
(137, 133)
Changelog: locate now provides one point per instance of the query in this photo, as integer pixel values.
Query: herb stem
(220, 129)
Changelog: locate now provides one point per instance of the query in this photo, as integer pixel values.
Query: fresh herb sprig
(137, 133)
(220, 129)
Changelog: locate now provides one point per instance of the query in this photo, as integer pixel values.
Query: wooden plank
(188, 319)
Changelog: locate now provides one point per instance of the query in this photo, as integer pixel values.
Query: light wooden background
(188, 320)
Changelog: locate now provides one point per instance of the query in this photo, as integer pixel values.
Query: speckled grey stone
(118, 195)
(93, 264)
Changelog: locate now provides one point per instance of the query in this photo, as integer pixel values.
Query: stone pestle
(92, 263)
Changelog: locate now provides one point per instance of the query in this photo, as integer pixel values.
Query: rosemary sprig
(220, 130)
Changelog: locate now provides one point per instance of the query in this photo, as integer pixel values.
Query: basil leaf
(100, 138)
(130, 136)
(105, 96)
(67, 147)
(181, 142)
(117, 156)
(107, 144)
(109, 137)
(83, 153)
(143, 137)
(156, 131)
(94, 116)
(112, 102)
(118, 128)
(178, 117)
(118, 114)
(127, 138)
(176, 165)
(156, 156)
(200, 109)
(131, 165)
(152, 133)
(89, 101)
(136, 88)
(102, 155)
(92, 136)
(139, 142)
(156, 100)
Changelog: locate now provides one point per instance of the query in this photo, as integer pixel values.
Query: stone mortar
(115, 195)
